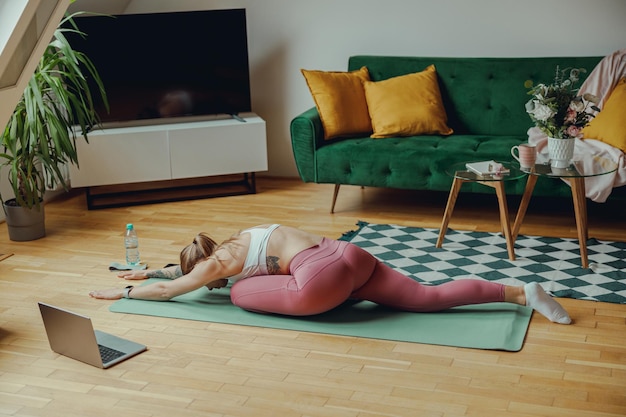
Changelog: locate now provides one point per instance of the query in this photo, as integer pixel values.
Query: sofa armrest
(307, 134)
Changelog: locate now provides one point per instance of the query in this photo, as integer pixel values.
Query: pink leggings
(328, 274)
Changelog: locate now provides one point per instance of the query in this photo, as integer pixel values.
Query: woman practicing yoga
(284, 270)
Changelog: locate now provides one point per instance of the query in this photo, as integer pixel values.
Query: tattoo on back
(272, 264)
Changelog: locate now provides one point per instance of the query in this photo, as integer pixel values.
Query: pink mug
(527, 155)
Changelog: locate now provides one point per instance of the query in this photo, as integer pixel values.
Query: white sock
(537, 298)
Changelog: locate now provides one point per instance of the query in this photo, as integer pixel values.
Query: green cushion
(415, 163)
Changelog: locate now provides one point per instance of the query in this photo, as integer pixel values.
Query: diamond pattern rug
(553, 262)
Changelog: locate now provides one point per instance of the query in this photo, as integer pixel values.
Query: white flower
(577, 105)
(540, 111)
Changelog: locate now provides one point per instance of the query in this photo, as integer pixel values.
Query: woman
(280, 269)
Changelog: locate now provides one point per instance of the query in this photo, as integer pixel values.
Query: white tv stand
(166, 155)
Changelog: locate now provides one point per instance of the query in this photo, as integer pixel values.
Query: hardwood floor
(210, 369)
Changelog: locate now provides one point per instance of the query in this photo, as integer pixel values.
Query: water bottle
(131, 243)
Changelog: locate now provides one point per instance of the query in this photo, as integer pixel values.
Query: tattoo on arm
(172, 272)
(272, 264)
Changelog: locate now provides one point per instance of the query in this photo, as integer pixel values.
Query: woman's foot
(537, 298)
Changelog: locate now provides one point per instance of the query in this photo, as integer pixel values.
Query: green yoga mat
(497, 326)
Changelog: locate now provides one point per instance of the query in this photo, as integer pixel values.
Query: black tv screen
(167, 66)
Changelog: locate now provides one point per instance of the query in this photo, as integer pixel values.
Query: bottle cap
(129, 226)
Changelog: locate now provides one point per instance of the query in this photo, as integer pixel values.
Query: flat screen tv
(169, 67)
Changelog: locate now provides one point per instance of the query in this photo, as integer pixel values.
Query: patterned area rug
(553, 262)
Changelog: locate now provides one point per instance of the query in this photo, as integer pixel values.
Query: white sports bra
(256, 259)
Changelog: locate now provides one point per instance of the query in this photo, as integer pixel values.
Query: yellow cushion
(609, 125)
(340, 101)
(407, 105)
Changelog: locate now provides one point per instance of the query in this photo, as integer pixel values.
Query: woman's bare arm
(203, 274)
(171, 272)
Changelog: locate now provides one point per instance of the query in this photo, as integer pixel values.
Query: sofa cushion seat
(416, 162)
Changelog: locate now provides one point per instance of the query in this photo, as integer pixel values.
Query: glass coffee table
(462, 175)
(575, 174)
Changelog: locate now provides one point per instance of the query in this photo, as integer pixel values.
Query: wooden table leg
(335, 193)
(447, 214)
(523, 206)
(504, 218)
(580, 211)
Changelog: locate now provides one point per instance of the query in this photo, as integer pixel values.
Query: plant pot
(24, 224)
(561, 152)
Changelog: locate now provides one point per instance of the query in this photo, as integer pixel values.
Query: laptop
(73, 335)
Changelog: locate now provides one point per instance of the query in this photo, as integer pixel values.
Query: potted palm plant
(55, 110)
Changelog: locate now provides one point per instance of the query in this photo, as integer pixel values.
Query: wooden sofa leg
(332, 206)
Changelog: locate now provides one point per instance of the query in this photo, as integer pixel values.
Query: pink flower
(573, 131)
(570, 114)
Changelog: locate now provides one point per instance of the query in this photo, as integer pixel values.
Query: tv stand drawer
(172, 151)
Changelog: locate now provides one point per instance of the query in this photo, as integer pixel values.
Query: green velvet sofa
(484, 100)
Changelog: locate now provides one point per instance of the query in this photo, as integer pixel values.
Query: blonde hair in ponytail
(200, 249)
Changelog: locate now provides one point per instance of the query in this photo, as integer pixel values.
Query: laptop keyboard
(107, 354)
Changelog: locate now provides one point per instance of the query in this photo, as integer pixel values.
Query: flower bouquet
(559, 112)
(557, 109)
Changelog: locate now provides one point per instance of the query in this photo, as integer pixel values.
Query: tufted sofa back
(482, 96)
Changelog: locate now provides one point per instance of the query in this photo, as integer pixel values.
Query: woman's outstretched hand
(108, 294)
(141, 274)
